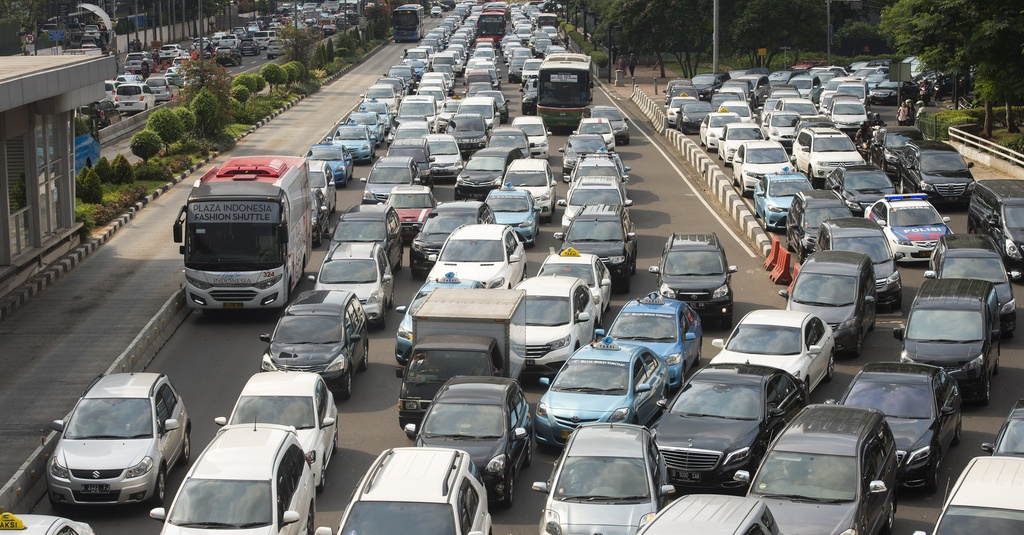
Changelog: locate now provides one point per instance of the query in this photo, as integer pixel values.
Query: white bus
(245, 232)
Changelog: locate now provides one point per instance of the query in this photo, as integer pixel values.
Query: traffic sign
(28, 38)
(56, 35)
(762, 51)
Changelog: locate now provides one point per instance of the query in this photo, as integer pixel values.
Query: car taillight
(142, 98)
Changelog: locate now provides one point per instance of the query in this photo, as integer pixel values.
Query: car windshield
(527, 178)
(808, 476)
(801, 82)
(583, 196)
(988, 268)
(437, 366)
(547, 310)
(486, 163)
(325, 153)
(506, 203)
(367, 117)
(719, 121)
(644, 327)
(691, 263)
(296, 411)
(411, 200)
(784, 120)
(1013, 216)
(580, 271)
(348, 271)
(390, 175)
(895, 400)
(473, 125)
(483, 110)
(1011, 440)
(585, 145)
(740, 109)
(855, 90)
(413, 151)
(511, 140)
(765, 340)
(787, 188)
(308, 330)
(745, 134)
(416, 109)
(877, 248)
(590, 169)
(592, 376)
(703, 79)
(958, 519)
(943, 162)
(914, 216)
(814, 216)
(443, 147)
(111, 419)
(386, 93)
(447, 223)
(896, 140)
(532, 129)
(463, 420)
(532, 64)
(848, 108)
(802, 108)
(696, 107)
(222, 504)
(833, 144)
(583, 230)
(767, 155)
(388, 518)
(359, 231)
(945, 326)
(712, 399)
(351, 134)
(824, 289)
(595, 479)
(612, 114)
(868, 182)
(473, 251)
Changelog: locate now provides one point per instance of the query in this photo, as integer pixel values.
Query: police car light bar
(906, 197)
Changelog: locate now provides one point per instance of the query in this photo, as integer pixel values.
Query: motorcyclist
(863, 136)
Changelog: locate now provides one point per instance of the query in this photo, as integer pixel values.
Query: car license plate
(95, 488)
(922, 254)
(690, 477)
(531, 362)
(233, 305)
(566, 433)
(695, 304)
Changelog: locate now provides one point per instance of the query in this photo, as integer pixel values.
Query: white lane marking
(689, 184)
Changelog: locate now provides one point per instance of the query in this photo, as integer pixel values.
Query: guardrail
(985, 152)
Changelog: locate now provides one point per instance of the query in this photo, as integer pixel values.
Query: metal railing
(957, 135)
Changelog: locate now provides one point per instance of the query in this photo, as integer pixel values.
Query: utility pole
(714, 46)
(828, 32)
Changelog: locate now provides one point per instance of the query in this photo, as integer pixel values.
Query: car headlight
(667, 292)
(854, 205)
(198, 283)
(905, 243)
(647, 518)
(497, 181)
(894, 278)
(927, 187)
(267, 364)
(141, 469)
(918, 455)
(369, 196)
(560, 343)
(974, 363)
(496, 283)
(774, 132)
(58, 470)
(373, 298)
(339, 364)
(776, 209)
(366, 146)
(404, 334)
(267, 283)
(526, 224)
(568, 162)
(738, 456)
(497, 464)
(721, 291)
(1009, 307)
(673, 359)
(616, 259)
(546, 196)
(890, 157)
(542, 409)
(851, 531)
(552, 526)
(1012, 250)
(411, 405)
(619, 415)
(848, 324)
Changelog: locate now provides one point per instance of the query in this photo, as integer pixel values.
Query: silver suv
(122, 437)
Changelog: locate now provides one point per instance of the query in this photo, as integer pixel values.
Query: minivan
(713, 514)
(969, 256)
(954, 324)
(839, 288)
(997, 209)
(806, 213)
(264, 37)
(862, 235)
(987, 498)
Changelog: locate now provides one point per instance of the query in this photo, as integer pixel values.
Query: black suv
(469, 131)
(970, 256)
(485, 171)
(374, 223)
(806, 213)
(997, 209)
(860, 186)
(887, 144)
(607, 231)
(935, 168)
(832, 470)
(865, 236)
(723, 420)
(954, 324)
(249, 47)
(693, 268)
(440, 223)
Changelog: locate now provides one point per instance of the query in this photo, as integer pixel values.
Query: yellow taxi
(41, 525)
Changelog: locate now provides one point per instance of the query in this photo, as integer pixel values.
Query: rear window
(129, 90)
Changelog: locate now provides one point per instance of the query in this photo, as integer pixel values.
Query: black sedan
(691, 115)
(860, 186)
(489, 418)
(722, 421)
(1010, 440)
(321, 217)
(922, 406)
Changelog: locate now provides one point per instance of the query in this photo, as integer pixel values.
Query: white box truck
(459, 332)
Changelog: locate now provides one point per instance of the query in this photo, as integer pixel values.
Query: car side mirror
(220, 420)
(970, 165)
(57, 425)
(877, 487)
(388, 278)
(1015, 275)
(869, 299)
(290, 517)
(898, 256)
(654, 269)
(545, 381)
(606, 282)
(775, 412)
(432, 258)
(628, 203)
(882, 223)
(945, 219)
(311, 278)
(988, 447)
(158, 513)
(171, 424)
(630, 236)
(410, 431)
(265, 337)
(666, 490)
(520, 433)
(562, 202)
(930, 274)
(718, 343)
(561, 149)
(690, 337)
(784, 293)
(946, 410)
(897, 333)
(643, 387)
(992, 220)
(559, 236)
(814, 350)
(737, 159)
(514, 258)
(741, 476)
(540, 486)
(582, 317)
(362, 179)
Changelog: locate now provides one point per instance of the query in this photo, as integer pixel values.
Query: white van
(987, 498)
(263, 37)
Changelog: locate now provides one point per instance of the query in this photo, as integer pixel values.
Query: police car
(517, 209)
(669, 328)
(589, 267)
(912, 225)
(42, 525)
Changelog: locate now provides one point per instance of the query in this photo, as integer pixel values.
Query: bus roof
(262, 172)
(567, 57)
(409, 7)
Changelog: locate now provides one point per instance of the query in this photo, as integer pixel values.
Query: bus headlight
(198, 283)
(267, 283)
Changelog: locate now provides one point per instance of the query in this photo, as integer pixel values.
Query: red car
(413, 204)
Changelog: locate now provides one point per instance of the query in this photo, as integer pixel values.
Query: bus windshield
(405, 19)
(235, 236)
(564, 89)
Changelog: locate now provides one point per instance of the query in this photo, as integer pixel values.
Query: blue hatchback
(338, 157)
(517, 209)
(370, 119)
(601, 382)
(773, 195)
(669, 328)
(357, 138)
(403, 341)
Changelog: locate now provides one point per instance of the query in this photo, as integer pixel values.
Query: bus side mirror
(282, 233)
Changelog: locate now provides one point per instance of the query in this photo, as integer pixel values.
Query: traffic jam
(647, 402)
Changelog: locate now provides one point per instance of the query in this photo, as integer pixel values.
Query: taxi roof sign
(569, 252)
(653, 298)
(9, 521)
(449, 278)
(906, 197)
(507, 186)
(607, 344)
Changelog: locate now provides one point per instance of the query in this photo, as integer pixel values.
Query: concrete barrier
(28, 483)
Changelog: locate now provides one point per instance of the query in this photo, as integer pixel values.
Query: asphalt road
(210, 358)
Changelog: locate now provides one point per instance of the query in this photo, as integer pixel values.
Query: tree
(104, 170)
(301, 43)
(145, 144)
(209, 114)
(187, 118)
(88, 187)
(123, 171)
(166, 124)
(770, 24)
(274, 75)
(248, 81)
(205, 74)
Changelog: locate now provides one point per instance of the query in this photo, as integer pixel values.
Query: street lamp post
(714, 39)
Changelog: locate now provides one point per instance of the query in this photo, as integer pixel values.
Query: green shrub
(186, 146)
(146, 143)
(241, 94)
(103, 169)
(248, 81)
(600, 58)
(209, 116)
(307, 87)
(123, 172)
(151, 172)
(187, 118)
(292, 71)
(166, 124)
(222, 141)
(274, 74)
(1015, 143)
(83, 214)
(88, 187)
(330, 51)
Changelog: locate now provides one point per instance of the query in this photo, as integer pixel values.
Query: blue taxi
(601, 382)
(669, 328)
(773, 194)
(403, 341)
(517, 209)
(336, 156)
(911, 224)
(357, 138)
(383, 111)
(370, 119)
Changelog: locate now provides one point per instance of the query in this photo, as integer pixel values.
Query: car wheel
(931, 483)
(186, 449)
(346, 389)
(401, 256)
(363, 364)
(159, 488)
(830, 370)
(807, 387)
(856, 351)
(310, 525)
(529, 453)
(958, 432)
(625, 141)
(727, 322)
(890, 518)
(510, 490)
(986, 391)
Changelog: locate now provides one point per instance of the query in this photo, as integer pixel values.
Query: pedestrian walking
(631, 62)
(615, 53)
(902, 114)
(921, 114)
(621, 66)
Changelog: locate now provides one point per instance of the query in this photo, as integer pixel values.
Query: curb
(715, 180)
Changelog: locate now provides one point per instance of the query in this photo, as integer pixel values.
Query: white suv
(754, 160)
(489, 253)
(598, 126)
(818, 151)
(409, 487)
(536, 132)
(534, 175)
(252, 479)
(592, 190)
(560, 317)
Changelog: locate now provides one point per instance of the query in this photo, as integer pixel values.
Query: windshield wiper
(801, 497)
(98, 437)
(646, 338)
(816, 303)
(455, 436)
(941, 341)
(212, 524)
